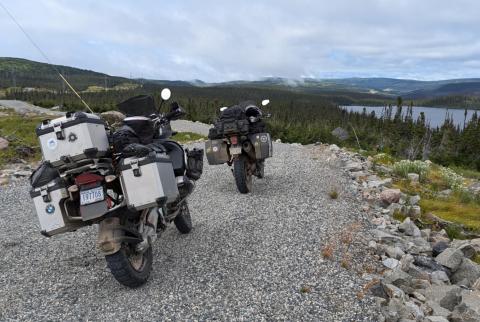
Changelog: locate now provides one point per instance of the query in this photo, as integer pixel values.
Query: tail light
(233, 139)
(88, 180)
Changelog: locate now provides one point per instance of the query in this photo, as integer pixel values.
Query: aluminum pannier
(148, 181)
(73, 137)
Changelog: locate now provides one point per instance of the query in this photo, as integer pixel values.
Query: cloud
(226, 40)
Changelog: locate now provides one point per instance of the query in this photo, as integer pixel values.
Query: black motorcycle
(131, 182)
(239, 139)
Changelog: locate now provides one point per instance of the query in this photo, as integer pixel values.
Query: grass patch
(467, 173)
(398, 215)
(19, 131)
(333, 193)
(184, 137)
(452, 209)
(476, 258)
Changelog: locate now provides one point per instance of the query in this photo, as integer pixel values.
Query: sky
(248, 40)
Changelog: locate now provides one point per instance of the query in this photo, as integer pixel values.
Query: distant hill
(27, 73)
(378, 91)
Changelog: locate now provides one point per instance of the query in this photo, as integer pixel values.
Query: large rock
(436, 318)
(389, 196)
(353, 166)
(465, 246)
(409, 228)
(476, 285)
(450, 258)
(435, 309)
(3, 143)
(469, 308)
(468, 271)
(413, 177)
(439, 278)
(340, 133)
(439, 247)
(448, 296)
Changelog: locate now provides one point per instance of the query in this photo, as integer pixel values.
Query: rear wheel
(183, 221)
(243, 177)
(129, 267)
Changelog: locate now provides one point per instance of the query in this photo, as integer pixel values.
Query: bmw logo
(50, 209)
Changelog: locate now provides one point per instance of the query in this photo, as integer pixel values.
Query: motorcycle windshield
(143, 105)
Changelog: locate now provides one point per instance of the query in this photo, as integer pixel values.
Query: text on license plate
(235, 150)
(91, 196)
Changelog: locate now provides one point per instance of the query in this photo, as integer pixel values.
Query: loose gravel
(249, 257)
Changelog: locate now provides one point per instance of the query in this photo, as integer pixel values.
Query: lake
(435, 116)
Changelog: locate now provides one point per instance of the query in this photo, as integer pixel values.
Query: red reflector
(233, 140)
(86, 178)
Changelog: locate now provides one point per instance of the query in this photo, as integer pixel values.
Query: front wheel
(243, 177)
(129, 267)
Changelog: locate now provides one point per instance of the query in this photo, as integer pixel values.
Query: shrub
(452, 179)
(404, 167)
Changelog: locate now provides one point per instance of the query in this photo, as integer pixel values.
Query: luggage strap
(45, 195)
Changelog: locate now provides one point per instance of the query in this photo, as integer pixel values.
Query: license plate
(235, 150)
(91, 196)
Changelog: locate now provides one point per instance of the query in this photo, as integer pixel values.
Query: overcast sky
(230, 40)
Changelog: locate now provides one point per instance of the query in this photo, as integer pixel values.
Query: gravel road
(249, 257)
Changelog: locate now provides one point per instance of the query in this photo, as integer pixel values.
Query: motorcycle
(132, 182)
(239, 139)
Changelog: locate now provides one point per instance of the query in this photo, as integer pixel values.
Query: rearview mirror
(165, 94)
(265, 102)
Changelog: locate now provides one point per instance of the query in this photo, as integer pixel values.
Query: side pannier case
(48, 201)
(262, 144)
(216, 151)
(73, 137)
(148, 181)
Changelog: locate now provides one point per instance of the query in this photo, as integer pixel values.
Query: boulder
(439, 247)
(409, 228)
(419, 246)
(448, 296)
(394, 292)
(394, 252)
(475, 244)
(437, 236)
(469, 308)
(450, 258)
(465, 246)
(3, 143)
(340, 133)
(429, 264)
(413, 177)
(397, 277)
(414, 211)
(414, 200)
(468, 270)
(353, 166)
(389, 196)
(390, 263)
(439, 278)
(435, 309)
(406, 261)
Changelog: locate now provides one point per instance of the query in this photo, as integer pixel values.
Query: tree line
(305, 118)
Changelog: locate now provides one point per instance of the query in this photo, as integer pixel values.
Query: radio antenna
(45, 56)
